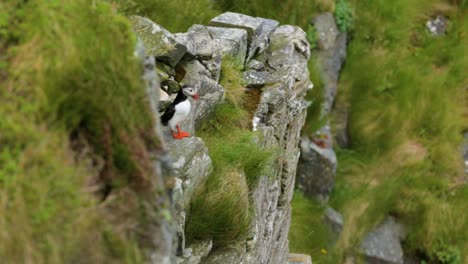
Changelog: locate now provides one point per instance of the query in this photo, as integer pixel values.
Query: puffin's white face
(191, 92)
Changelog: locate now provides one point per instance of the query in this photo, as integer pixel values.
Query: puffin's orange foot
(184, 134)
(178, 136)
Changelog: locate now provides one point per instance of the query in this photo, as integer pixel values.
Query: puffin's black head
(191, 91)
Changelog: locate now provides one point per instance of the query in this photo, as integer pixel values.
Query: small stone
(382, 245)
(438, 25)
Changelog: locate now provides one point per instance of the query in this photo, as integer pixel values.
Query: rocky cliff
(275, 67)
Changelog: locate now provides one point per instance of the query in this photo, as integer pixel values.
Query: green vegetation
(68, 64)
(309, 234)
(343, 15)
(406, 91)
(221, 208)
(174, 15)
(65, 65)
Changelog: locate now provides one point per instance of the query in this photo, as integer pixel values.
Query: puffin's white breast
(182, 110)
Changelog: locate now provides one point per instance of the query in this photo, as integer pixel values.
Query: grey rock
(258, 29)
(158, 41)
(214, 67)
(235, 20)
(334, 220)
(316, 169)
(192, 165)
(437, 25)
(211, 93)
(198, 41)
(326, 29)
(164, 100)
(286, 53)
(299, 259)
(382, 245)
(199, 251)
(256, 65)
(261, 41)
(258, 78)
(229, 41)
(331, 61)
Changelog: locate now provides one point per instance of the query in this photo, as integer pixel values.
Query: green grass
(68, 65)
(174, 15)
(221, 209)
(406, 91)
(308, 233)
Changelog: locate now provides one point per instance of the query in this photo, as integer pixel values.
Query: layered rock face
(275, 59)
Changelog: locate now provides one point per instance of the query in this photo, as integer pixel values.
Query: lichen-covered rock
(214, 67)
(316, 169)
(288, 48)
(279, 119)
(258, 78)
(192, 165)
(229, 41)
(261, 41)
(158, 41)
(256, 65)
(326, 29)
(198, 41)
(236, 20)
(382, 245)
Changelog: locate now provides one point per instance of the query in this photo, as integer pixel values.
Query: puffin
(179, 110)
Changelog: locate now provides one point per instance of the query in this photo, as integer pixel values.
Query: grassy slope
(406, 91)
(63, 76)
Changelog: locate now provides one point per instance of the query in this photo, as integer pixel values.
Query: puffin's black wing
(168, 114)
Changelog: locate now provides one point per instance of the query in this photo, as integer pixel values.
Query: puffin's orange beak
(196, 97)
